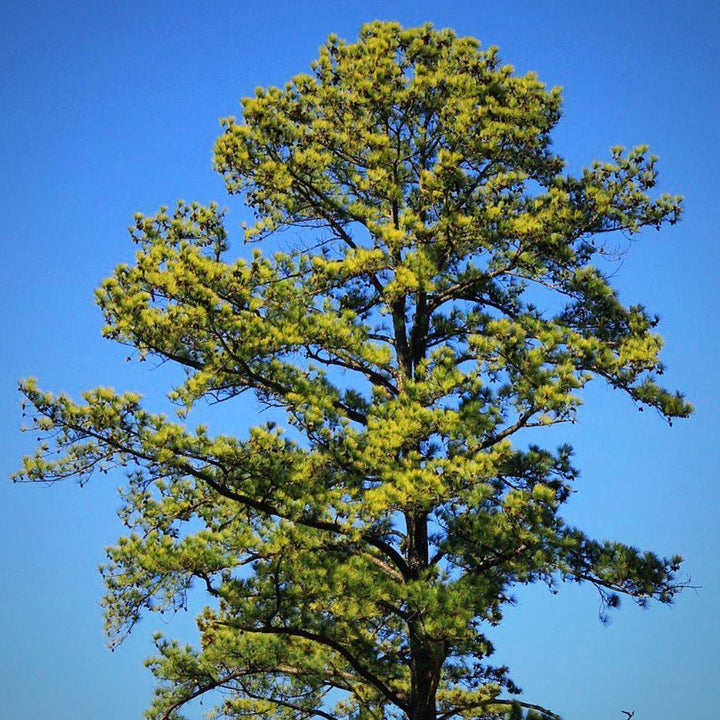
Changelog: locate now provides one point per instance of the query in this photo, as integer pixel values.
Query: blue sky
(109, 108)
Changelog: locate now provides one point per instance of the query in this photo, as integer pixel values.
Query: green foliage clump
(444, 296)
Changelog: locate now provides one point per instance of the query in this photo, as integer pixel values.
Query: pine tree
(440, 294)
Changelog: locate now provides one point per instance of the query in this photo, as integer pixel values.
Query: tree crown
(441, 296)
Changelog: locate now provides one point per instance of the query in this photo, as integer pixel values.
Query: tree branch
(354, 663)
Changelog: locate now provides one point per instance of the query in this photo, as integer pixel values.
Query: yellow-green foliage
(441, 299)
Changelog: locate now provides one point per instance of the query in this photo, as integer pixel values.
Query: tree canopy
(440, 293)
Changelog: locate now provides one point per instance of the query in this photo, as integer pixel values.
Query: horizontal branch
(333, 644)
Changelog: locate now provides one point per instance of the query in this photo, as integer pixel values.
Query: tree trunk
(425, 678)
(425, 657)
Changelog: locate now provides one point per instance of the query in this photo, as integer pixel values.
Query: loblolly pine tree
(439, 299)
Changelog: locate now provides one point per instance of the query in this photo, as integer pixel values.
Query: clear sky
(109, 108)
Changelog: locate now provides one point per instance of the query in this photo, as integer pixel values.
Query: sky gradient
(111, 108)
